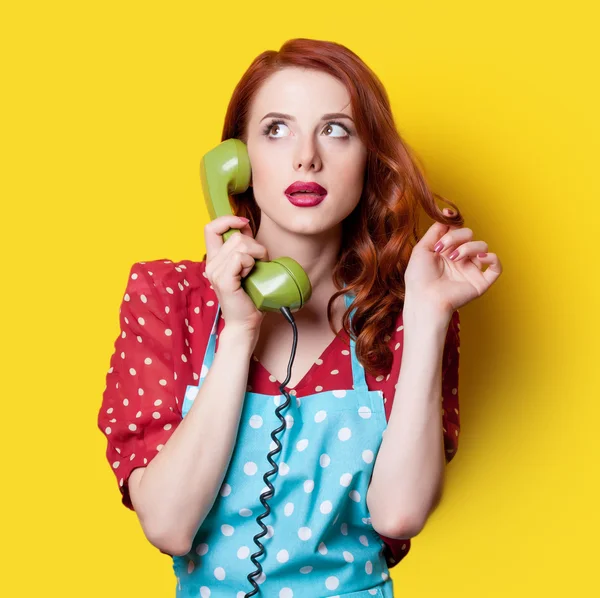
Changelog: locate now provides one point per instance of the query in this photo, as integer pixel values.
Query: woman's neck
(317, 253)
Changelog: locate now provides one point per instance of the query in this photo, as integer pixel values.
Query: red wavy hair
(379, 235)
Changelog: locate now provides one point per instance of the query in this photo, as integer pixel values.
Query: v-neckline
(308, 375)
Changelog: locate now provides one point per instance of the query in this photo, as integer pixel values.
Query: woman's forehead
(302, 94)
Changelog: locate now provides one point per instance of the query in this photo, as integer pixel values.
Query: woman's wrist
(239, 338)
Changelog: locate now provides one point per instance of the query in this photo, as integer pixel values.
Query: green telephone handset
(282, 282)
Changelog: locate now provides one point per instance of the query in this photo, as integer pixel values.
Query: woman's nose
(307, 157)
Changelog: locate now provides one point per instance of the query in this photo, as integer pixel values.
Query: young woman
(197, 371)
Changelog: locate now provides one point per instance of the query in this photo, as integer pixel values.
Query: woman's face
(304, 146)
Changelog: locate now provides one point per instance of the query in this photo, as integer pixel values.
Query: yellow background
(108, 107)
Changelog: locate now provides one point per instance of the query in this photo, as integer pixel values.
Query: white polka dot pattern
(167, 311)
(141, 402)
(333, 428)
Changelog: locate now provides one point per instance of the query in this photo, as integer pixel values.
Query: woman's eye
(329, 126)
(276, 126)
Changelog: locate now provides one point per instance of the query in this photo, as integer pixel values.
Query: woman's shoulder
(167, 279)
(170, 273)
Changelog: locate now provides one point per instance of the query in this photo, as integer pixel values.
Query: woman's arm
(408, 475)
(173, 494)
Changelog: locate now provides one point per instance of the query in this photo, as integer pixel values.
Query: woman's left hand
(436, 282)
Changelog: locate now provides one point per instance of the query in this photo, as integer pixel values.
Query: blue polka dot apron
(320, 541)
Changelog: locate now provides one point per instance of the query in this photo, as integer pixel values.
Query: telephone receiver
(225, 170)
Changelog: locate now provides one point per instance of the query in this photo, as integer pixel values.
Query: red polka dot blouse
(166, 317)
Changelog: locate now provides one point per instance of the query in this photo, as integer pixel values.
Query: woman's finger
(468, 249)
(494, 269)
(215, 229)
(237, 243)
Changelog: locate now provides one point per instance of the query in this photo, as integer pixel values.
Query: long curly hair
(379, 235)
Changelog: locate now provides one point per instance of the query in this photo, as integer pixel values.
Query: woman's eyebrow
(290, 117)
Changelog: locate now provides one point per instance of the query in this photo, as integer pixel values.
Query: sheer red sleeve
(450, 409)
(140, 407)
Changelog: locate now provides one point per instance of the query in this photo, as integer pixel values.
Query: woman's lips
(305, 200)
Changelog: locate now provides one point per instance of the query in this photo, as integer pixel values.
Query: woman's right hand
(226, 264)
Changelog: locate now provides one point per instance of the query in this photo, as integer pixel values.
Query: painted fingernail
(438, 246)
(482, 255)
(454, 254)
(244, 219)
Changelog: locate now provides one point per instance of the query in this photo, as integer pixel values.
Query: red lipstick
(305, 194)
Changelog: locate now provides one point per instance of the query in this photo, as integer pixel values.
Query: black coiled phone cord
(270, 493)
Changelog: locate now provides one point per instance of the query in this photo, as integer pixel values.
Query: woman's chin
(303, 221)
(312, 224)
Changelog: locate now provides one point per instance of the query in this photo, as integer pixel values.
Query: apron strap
(209, 353)
(359, 381)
